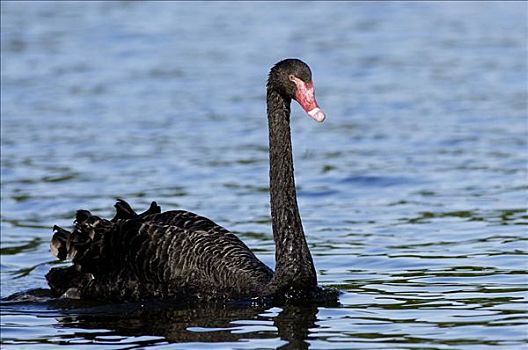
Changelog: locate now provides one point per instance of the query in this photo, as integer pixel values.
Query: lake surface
(413, 193)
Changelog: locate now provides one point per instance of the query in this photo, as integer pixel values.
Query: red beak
(305, 95)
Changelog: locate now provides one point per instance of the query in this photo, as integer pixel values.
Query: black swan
(181, 255)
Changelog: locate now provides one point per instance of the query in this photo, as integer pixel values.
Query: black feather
(60, 242)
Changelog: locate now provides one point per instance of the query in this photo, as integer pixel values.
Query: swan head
(292, 78)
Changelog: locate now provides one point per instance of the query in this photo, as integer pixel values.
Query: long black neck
(294, 265)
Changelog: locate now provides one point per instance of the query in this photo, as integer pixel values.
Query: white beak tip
(317, 114)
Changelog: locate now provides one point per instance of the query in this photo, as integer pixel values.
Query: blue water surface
(413, 193)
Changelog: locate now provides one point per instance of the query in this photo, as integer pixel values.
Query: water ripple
(413, 193)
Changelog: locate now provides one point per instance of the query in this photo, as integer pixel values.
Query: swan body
(181, 255)
(176, 254)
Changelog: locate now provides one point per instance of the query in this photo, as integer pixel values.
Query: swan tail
(94, 247)
(84, 247)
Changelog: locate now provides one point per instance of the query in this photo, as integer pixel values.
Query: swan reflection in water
(157, 322)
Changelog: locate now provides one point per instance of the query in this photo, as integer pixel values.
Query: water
(413, 193)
